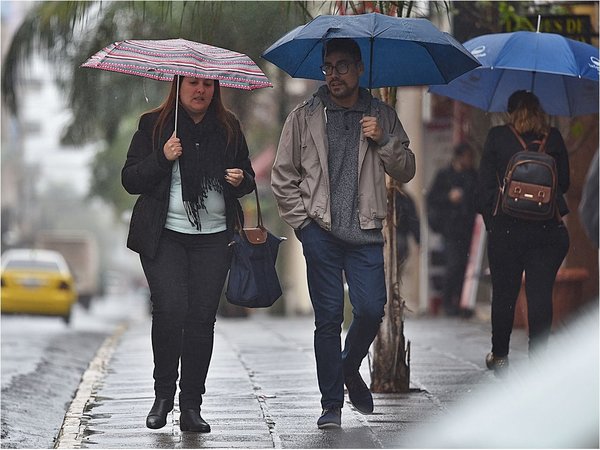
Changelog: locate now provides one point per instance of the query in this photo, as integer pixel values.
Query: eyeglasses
(341, 68)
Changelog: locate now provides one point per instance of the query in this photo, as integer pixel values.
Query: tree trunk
(390, 366)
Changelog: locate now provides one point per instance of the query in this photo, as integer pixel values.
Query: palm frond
(48, 29)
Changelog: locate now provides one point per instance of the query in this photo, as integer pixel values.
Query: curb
(73, 427)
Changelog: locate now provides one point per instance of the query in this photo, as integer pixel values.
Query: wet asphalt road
(42, 364)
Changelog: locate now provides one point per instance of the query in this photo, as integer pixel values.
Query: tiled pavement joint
(261, 398)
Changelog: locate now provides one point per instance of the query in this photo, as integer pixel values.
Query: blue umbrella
(563, 73)
(396, 51)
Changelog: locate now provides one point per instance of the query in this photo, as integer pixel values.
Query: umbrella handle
(176, 106)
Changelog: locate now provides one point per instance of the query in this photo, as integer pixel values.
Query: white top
(212, 219)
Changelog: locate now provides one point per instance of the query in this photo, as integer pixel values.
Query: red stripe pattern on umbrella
(163, 59)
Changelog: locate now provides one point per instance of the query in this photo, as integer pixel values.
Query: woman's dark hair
(462, 148)
(343, 45)
(526, 113)
(225, 117)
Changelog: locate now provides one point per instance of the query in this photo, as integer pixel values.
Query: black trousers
(186, 280)
(456, 254)
(537, 251)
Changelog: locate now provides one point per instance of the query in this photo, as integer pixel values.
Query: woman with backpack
(522, 243)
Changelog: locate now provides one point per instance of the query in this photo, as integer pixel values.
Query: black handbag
(253, 280)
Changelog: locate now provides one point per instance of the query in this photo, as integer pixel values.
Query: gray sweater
(343, 136)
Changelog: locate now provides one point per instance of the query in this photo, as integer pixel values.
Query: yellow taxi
(36, 282)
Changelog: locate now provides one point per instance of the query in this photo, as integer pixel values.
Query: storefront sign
(577, 27)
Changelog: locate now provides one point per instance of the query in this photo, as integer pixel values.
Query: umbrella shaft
(176, 106)
(371, 63)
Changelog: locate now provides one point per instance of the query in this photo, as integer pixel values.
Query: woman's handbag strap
(258, 213)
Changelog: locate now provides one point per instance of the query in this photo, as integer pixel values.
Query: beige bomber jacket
(300, 179)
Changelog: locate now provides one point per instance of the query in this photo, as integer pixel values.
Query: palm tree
(67, 33)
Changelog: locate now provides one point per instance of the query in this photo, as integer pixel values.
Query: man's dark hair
(345, 45)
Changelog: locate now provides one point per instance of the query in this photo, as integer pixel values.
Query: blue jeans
(327, 260)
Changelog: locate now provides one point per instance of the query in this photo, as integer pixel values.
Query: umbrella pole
(371, 64)
(176, 106)
(539, 22)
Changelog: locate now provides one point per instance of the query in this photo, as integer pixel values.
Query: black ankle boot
(191, 420)
(157, 417)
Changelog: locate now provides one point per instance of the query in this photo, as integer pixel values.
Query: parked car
(80, 250)
(37, 282)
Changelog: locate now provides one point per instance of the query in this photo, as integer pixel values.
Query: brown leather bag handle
(254, 235)
(259, 219)
(258, 213)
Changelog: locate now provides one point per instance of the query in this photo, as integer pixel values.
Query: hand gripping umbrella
(395, 51)
(561, 72)
(165, 59)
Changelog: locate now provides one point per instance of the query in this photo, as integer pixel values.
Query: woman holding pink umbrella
(188, 181)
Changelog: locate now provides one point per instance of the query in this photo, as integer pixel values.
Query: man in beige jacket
(329, 183)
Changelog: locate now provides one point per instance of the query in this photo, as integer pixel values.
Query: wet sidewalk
(262, 390)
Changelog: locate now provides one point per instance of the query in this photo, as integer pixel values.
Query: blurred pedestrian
(407, 224)
(451, 199)
(329, 183)
(588, 207)
(188, 183)
(516, 246)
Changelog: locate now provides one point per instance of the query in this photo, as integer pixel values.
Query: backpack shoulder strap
(518, 136)
(541, 148)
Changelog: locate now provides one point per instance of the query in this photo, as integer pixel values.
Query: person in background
(188, 184)
(329, 182)
(588, 207)
(407, 224)
(516, 246)
(452, 199)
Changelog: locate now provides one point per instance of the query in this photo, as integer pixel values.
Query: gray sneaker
(330, 418)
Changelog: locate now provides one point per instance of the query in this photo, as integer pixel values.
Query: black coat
(455, 219)
(407, 219)
(500, 145)
(147, 173)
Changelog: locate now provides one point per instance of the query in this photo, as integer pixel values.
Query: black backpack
(530, 183)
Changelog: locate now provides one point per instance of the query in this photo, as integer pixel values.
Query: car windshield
(32, 264)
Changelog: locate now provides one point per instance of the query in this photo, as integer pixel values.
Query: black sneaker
(359, 393)
(330, 418)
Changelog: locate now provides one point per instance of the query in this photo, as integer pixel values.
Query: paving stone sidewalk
(262, 390)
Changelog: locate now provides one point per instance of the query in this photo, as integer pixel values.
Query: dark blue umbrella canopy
(562, 72)
(396, 51)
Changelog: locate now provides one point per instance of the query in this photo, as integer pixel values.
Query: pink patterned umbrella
(164, 59)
